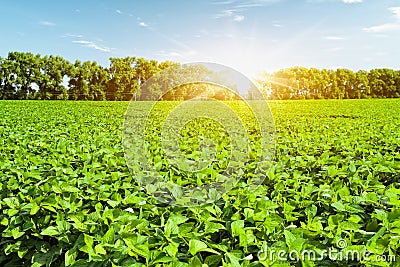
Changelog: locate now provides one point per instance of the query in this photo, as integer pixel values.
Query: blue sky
(248, 35)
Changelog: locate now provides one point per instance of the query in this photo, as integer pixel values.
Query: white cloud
(93, 45)
(72, 35)
(255, 3)
(230, 13)
(333, 38)
(395, 11)
(352, 1)
(245, 3)
(387, 27)
(238, 18)
(143, 24)
(225, 13)
(234, 9)
(46, 23)
(177, 55)
(223, 2)
(118, 11)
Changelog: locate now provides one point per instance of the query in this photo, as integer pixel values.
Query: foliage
(24, 75)
(303, 83)
(67, 198)
(27, 76)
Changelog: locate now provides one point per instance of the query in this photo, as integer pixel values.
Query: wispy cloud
(352, 1)
(396, 11)
(234, 9)
(143, 24)
(46, 23)
(254, 3)
(238, 18)
(333, 38)
(228, 2)
(225, 13)
(177, 55)
(93, 45)
(244, 3)
(230, 13)
(119, 11)
(387, 27)
(72, 35)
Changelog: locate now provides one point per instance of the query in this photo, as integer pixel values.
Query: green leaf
(51, 231)
(171, 228)
(88, 240)
(172, 249)
(35, 208)
(349, 226)
(237, 227)
(213, 260)
(195, 262)
(16, 233)
(332, 171)
(196, 246)
(108, 237)
(70, 257)
(293, 242)
(142, 250)
(80, 263)
(211, 227)
(172, 225)
(100, 250)
(352, 167)
(233, 259)
(63, 226)
(339, 206)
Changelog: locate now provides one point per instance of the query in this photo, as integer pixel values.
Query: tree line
(311, 83)
(24, 75)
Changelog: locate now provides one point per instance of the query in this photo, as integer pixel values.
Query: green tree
(284, 84)
(20, 71)
(397, 83)
(344, 83)
(171, 82)
(54, 71)
(325, 84)
(145, 69)
(376, 83)
(79, 81)
(98, 82)
(362, 84)
(124, 78)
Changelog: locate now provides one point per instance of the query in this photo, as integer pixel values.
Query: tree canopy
(24, 75)
(304, 83)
